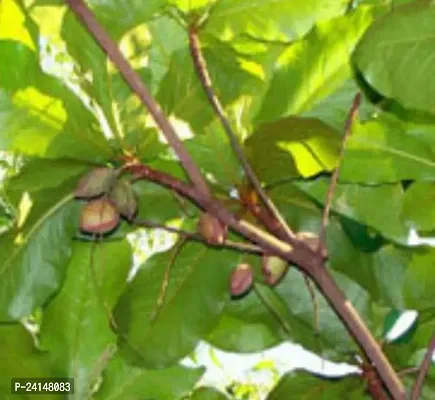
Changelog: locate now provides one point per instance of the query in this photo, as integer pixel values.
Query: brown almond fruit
(99, 216)
(95, 183)
(241, 279)
(213, 230)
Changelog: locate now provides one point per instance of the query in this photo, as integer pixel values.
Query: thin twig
(205, 79)
(424, 368)
(334, 178)
(243, 247)
(85, 15)
(408, 371)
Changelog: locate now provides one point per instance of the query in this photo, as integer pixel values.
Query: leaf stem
(333, 183)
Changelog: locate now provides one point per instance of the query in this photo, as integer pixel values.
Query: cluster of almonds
(109, 197)
(242, 277)
(273, 268)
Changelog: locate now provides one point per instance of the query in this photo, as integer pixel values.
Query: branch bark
(85, 15)
(424, 368)
(308, 260)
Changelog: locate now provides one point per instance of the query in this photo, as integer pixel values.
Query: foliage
(286, 73)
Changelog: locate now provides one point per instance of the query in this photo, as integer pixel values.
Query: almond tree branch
(308, 260)
(334, 178)
(85, 15)
(206, 82)
(299, 253)
(424, 368)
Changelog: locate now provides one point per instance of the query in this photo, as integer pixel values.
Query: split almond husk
(124, 197)
(99, 217)
(95, 183)
(241, 279)
(273, 268)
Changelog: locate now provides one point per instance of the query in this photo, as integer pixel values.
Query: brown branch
(243, 247)
(333, 183)
(206, 82)
(305, 258)
(133, 79)
(424, 368)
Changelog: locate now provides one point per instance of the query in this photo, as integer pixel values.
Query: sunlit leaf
(271, 20)
(292, 147)
(396, 55)
(313, 68)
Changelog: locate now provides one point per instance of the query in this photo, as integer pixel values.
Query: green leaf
(19, 358)
(301, 385)
(75, 325)
(380, 272)
(391, 154)
(395, 55)
(378, 207)
(419, 281)
(291, 147)
(158, 203)
(181, 94)
(271, 19)
(215, 156)
(334, 109)
(158, 327)
(16, 26)
(313, 68)
(38, 174)
(418, 211)
(247, 325)
(22, 71)
(332, 338)
(207, 393)
(26, 284)
(122, 381)
(54, 125)
(190, 5)
(167, 38)
(131, 14)
(29, 121)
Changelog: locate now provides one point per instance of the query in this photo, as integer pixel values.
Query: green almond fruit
(95, 183)
(273, 268)
(124, 198)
